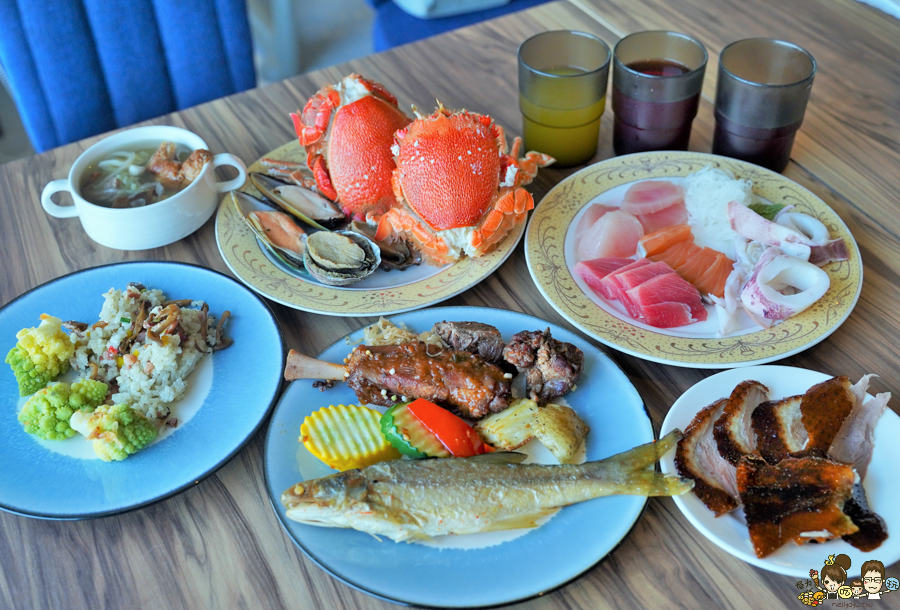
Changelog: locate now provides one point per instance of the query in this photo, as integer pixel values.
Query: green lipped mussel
(276, 230)
(340, 258)
(310, 207)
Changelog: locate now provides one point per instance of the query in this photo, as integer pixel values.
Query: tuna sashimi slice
(614, 234)
(659, 240)
(609, 288)
(593, 271)
(666, 315)
(672, 215)
(652, 196)
(669, 287)
(594, 212)
(636, 276)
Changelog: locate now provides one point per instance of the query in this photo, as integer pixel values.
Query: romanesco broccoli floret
(47, 413)
(41, 355)
(117, 431)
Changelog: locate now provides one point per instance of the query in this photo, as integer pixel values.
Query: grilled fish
(417, 499)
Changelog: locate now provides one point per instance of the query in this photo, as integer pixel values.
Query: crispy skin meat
(732, 431)
(551, 367)
(698, 458)
(855, 441)
(779, 431)
(457, 380)
(475, 337)
(798, 499)
(872, 529)
(824, 408)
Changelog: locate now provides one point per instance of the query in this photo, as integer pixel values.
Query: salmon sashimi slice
(698, 458)
(672, 215)
(668, 288)
(714, 280)
(594, 212)
(593, 271)
(651, 196)
(799, 499)
(609, 288)
(659, 240)
(614, 234)
(697, 264)
(676, 254)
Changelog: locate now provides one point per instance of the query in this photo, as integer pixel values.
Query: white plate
(729, 532)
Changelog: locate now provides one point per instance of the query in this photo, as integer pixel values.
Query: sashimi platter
(693, 259)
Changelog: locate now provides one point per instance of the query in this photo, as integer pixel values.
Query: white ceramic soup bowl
(154, 225)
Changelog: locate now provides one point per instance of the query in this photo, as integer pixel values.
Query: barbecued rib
(797, 498)
(855, 440)
(779, 429)
(733, 431)
(457, 380)
(698, 458)
(824, 408)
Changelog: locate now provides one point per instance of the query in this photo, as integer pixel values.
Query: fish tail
(629, 472)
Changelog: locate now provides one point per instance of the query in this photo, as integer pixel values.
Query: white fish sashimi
(782, 286)
(614, 234)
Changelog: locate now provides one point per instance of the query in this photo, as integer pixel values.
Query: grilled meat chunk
(551, 367)
(798, 499)
(475, 337)
(697, 457)
(459, 381)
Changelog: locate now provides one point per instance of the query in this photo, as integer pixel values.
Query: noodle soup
(142, 174)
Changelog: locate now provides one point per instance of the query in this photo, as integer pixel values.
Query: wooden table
(219, 545)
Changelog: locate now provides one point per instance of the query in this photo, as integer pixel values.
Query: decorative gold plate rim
(545, 257)
(242, 254)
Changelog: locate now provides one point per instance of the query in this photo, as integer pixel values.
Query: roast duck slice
(795, 464)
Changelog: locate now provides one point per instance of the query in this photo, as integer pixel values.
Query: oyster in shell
(311, 208)
(340, 258)
(276, 230)
(396, 253)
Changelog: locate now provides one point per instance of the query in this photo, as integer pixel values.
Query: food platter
(233, 392)
(496, 570)
(729, 532)
(549, 248)
(383, 293)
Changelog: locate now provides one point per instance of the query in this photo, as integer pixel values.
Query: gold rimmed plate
(382, 293)
(550, 248)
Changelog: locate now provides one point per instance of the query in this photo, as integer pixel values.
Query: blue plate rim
(284, 525)
(215, 467)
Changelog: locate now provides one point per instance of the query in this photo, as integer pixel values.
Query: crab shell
(347, 131)
(458, 191)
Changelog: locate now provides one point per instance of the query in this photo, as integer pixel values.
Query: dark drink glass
(761, 96)
(657, 78)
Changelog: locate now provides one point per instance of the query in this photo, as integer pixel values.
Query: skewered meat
(697, 457)
(457, 380)
(733, 431)
(779, 429)
(798, 499)
(475, 337)
(551, 367)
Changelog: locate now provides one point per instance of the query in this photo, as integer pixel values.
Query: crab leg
(510, 210)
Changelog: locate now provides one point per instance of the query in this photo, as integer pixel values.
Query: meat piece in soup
(142, 175)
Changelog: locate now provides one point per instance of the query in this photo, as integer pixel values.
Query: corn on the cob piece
(346, 437)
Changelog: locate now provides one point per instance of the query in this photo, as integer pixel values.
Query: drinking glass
(657, 78)
(761, 97)
(562, 93)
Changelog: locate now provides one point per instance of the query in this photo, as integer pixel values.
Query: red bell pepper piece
(456, 435)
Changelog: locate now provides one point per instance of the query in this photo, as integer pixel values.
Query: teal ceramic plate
(230, 394)
(481, 569)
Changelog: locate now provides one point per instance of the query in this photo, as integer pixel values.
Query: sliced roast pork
(779, 429)
(698, 458)
(799, 499)
(855, 440)
(733, 430)
(823, 410)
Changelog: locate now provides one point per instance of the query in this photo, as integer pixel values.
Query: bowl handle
(57, 211)
(234, 183)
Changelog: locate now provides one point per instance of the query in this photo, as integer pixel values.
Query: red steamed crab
(457, 189)
(347, 130)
